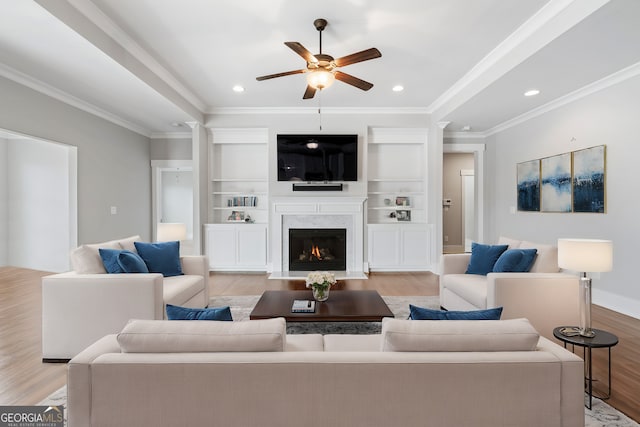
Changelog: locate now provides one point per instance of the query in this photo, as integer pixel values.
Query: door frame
(157, 167)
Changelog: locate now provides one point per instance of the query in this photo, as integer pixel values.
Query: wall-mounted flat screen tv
(317, 158)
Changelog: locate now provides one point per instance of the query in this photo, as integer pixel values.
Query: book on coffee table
(303, 306)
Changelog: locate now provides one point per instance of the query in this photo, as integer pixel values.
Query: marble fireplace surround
(317, 212)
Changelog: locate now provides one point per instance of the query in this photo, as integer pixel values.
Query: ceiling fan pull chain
(320, 108)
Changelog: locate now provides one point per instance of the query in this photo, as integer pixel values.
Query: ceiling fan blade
(273, 76)
(365, 55)
(309, 93)
(302, 51)
(353, 81)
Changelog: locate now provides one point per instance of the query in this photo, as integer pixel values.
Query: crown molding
(465, 135)
(552, 20)
(128, 43)
(604, 83)
(314, 110)
(53, 92)
(170, 135)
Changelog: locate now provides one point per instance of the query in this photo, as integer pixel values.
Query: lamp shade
(320, 79)
(585, 255)
(170, 231)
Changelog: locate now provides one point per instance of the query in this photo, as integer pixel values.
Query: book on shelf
(303, 306)
(242, 201)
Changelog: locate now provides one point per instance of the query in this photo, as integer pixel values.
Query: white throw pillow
(458, 335)
(197, 336)
(86, 259)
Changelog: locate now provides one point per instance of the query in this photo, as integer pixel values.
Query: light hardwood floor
(25, 380)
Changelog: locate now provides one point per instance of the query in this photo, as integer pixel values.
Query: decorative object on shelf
(236, 216)
(584, 255)
(320, 282)
(387, 202)
(242, 201)
(404, 215)
(402, 201)
(248, 220)
(171, 231)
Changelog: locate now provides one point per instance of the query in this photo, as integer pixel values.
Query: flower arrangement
(320, 282)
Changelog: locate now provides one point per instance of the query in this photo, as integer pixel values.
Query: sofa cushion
(483, 257)
(178, 289)
(305, 342)
(131, 262)
(547, 259)
(512, 243)
(420, 313)
(515, 260)
(161, 257)
(458, 335)
(183, 336)
(346, 342)
(85, 259)
(175, 312)
(109, 259)
(470, 287)
(128, 243)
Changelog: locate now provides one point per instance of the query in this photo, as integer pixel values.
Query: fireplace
(317, 249)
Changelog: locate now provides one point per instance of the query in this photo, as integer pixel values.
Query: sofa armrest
(197, 265)
(454, 263)
(79, 379)
(77, 309)
(546, 299)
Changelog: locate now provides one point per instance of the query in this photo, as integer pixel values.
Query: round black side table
(602, 339)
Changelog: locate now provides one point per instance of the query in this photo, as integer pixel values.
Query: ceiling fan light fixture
(320, 79)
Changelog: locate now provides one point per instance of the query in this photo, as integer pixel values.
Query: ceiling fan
(321, 68)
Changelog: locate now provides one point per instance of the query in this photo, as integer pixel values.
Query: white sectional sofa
(250, 373)
(80, 306)
(545, 296)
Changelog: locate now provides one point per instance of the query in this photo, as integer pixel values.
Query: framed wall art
(588, 182)
(555, 178)
(529, 186)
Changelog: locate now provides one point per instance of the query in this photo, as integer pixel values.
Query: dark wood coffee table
(342, 306)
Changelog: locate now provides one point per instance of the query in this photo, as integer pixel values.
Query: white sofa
(545, 296)
(80, 306)
(250, 373)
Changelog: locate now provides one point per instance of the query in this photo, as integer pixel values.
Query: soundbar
(317, 187)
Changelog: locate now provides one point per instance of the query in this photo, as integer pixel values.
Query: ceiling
(148, 64)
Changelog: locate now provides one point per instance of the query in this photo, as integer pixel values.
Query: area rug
(601, 414)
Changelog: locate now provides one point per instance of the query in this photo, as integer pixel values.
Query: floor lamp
(585, 255)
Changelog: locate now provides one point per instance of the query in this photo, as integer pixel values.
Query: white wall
(41, 201)
(4, 212)
(606, 117)
(177, 198)
(113, 162)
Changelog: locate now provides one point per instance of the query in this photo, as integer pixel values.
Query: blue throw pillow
(419, 313)
(130, 262)
(483, 257)
(515, 260)
(110, 260)
(161, 257)
(175, 312)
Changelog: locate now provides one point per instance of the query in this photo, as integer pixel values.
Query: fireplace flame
(315, 251)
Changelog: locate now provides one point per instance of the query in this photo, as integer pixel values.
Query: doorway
(172, 183)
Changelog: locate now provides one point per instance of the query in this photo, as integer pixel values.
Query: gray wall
(605, 117)
(113, 162)
(171, 149)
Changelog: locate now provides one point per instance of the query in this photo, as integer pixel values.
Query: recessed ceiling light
(176, 124)
(238, 89)
(398, 88)
(532, 92)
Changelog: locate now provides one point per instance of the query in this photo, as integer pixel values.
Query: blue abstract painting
(529, 186)
(555, 176)
(589, 180)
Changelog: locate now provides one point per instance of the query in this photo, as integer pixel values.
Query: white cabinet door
(252, 246)
(399, 247)
(384, 246)
(236, 247)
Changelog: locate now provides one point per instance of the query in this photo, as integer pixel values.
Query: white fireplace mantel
(317, 212)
